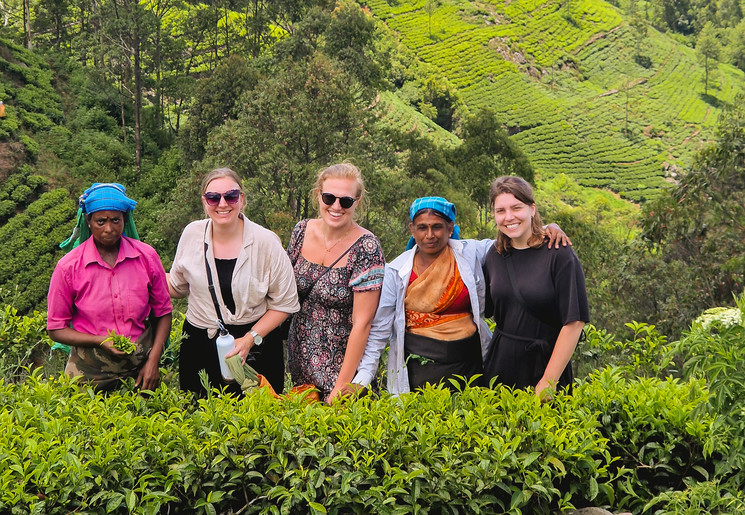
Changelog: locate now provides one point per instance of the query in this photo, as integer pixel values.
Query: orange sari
(432, 293)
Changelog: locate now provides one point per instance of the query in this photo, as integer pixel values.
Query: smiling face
(106, 227)
(224, 212)
(431, 233)
(335, 216)
(513, 219)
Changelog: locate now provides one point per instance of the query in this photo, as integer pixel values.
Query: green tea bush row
(571, 63)
(31, 248)
(478, 451)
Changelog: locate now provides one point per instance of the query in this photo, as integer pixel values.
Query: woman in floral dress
(339, 272)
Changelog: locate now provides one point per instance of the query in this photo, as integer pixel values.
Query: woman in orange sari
(431, 304)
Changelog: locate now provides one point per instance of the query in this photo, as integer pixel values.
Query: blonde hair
(219, 173)
(343, 170)
(521, 190)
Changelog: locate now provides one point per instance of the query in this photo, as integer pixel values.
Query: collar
(248, 234)
(91, 254)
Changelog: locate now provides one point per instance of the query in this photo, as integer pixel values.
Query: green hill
(564, 78)
(398, 114)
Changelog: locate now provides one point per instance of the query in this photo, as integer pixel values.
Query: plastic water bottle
(225, 343)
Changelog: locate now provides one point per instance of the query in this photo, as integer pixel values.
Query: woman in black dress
(537, 298)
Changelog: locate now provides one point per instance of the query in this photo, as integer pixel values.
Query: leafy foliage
(713, 349)
(24, 341)
(478, 451)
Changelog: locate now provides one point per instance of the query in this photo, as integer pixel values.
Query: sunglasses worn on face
(231, 197)
(344, 202)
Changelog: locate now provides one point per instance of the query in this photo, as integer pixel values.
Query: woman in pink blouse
(110, 282)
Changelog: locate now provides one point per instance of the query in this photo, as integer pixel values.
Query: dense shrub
(714, 349)
(479, 451)
(24, 341)
(645, 354)
(652, 433)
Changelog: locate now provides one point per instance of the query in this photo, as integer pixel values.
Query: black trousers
(198, 352)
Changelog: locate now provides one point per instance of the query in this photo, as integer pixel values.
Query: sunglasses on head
(231, 197)
(344, 202)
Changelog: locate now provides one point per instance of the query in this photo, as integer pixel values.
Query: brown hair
(219, 173)
(521, 190)
(343, 170)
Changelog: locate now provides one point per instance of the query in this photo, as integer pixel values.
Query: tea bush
(24, 342)
(478, 451)
(667, 445)
(645, 354)
(714, 350)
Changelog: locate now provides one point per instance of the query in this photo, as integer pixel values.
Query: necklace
(325, 241)
(418, 265)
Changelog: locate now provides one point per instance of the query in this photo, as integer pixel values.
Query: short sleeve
(59, 300)
(282, 292)
(569, 280)
(160, 300)
(367, 265)
(296, 241)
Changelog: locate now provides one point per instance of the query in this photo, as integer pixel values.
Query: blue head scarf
(106, 196)
(439, 204)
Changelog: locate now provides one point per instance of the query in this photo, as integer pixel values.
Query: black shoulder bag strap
(328, 268)
(211, 285)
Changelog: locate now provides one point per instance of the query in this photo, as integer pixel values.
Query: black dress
(552, 283)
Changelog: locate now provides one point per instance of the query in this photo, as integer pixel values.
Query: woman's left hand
(556, 236)
(242, 346)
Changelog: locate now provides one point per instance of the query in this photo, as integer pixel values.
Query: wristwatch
(258, 339)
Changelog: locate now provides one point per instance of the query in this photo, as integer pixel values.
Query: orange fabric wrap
(432, 293)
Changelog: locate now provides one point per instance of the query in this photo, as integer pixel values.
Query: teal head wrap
(438, 204)
(107, 196)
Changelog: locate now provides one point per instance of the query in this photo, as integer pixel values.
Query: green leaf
(530, 458)
(115, 501)
(593, 489)
(131, 500)
(553, 460)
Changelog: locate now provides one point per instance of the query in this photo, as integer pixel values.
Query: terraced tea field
(398, 114)
(562, 77)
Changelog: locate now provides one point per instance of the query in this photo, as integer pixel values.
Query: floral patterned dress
(319, 332)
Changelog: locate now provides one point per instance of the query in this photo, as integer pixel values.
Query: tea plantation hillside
(565, 79)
